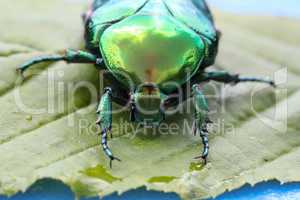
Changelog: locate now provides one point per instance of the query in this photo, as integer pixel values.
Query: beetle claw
(21, 73)
(111, 133)
(112, 159)
(273, 84)
(204, 136)
(203, 158)
(194, 129)
(208, 121)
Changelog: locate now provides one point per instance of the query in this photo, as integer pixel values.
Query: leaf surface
(55, 143)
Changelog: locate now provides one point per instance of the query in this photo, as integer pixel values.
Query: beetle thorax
(151, 48)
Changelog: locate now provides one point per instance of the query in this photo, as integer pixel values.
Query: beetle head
(147, 104)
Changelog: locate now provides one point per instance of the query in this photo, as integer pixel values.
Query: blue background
(53, 190)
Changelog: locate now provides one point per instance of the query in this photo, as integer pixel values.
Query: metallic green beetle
(150, 48)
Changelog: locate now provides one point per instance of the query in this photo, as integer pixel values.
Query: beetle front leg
(201, 120)
(70, 56)
(225, 77)
(104, 120)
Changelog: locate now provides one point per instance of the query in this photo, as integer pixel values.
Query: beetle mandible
(150, 42)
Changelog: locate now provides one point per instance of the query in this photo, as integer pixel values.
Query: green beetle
(151, 49)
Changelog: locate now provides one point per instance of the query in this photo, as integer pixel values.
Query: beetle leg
(201, 120)
(204, 137)
(132, 109)
(104, 120)
(70, 56)
(37, 60)
(225, 77)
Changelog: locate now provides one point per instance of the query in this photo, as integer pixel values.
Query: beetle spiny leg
(225, 77)
(201, 120)
(254, 79)
(106, 149)
(104, 121)
(132, 108)
(204, 136)
(37, 60)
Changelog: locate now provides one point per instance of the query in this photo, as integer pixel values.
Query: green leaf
(61, 143)
(101, 173)
(161, 179)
